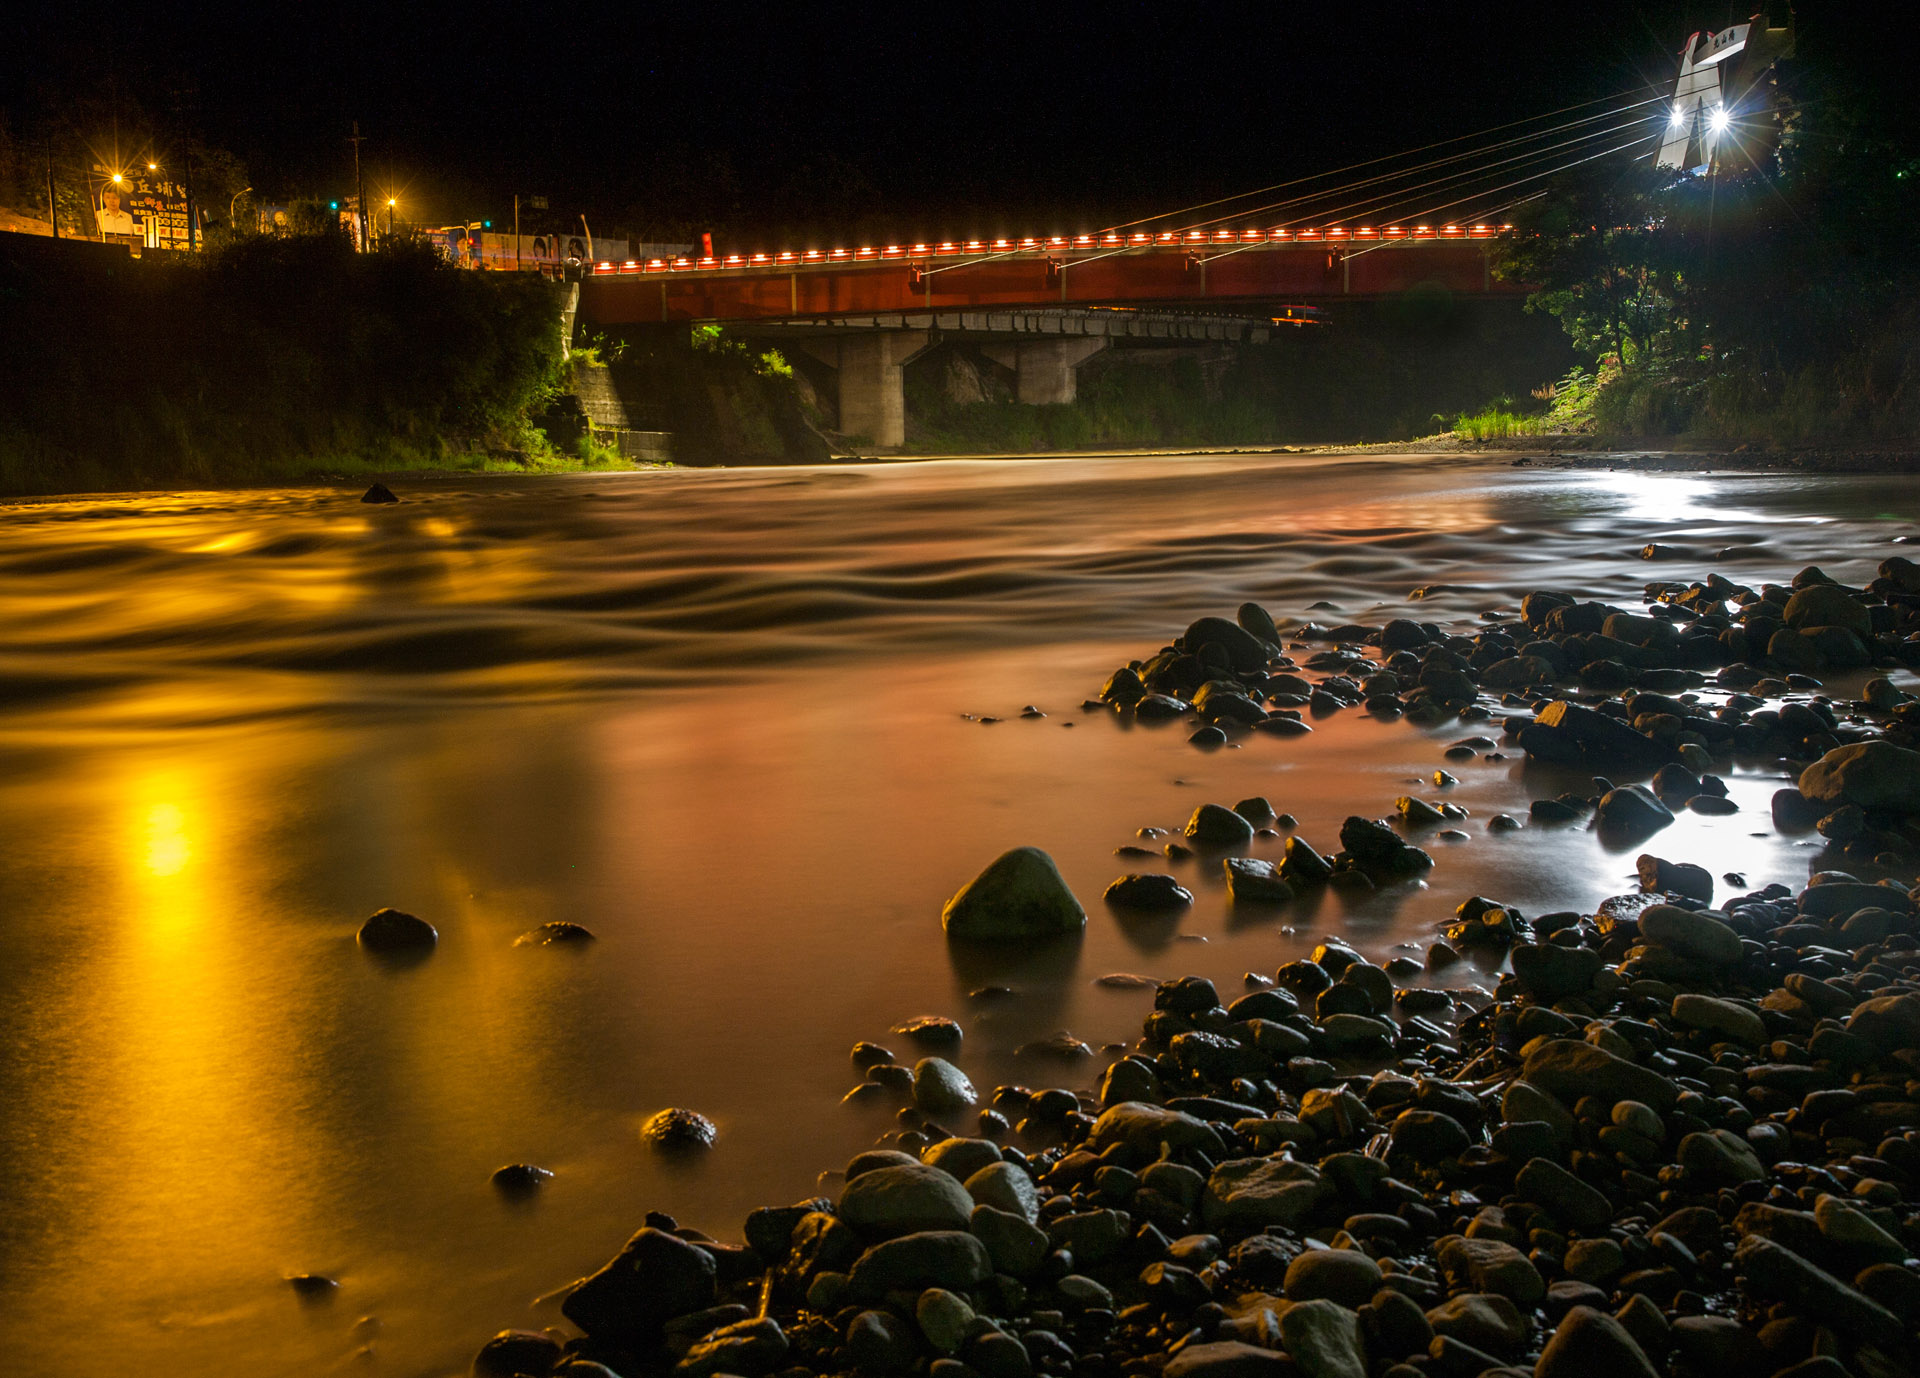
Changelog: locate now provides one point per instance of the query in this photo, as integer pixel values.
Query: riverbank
(1676, 1131)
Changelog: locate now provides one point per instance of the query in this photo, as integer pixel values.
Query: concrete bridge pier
(1046, 371)
(870, 371)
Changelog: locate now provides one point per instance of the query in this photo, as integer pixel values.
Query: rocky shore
(1681, 1135)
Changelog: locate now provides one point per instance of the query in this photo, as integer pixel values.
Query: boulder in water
(1020, 896)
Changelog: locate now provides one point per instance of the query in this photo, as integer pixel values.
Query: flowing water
(730, 721)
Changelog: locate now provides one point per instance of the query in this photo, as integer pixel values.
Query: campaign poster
(142, 209)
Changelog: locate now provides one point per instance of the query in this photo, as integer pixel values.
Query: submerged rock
(678, 1131)
(1020, 895)
(391, 931)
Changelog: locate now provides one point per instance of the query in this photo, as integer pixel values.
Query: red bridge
(1040, 306)
(1195, 269)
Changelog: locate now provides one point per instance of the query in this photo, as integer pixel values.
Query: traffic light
(333, 205)
(486, 224)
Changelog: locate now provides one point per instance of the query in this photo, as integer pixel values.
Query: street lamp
(391, 202)
(233, 204)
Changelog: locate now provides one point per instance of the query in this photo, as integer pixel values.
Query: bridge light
(1677, 118)
(1720, 120)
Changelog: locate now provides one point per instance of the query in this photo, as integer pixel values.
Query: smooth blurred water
(719, 717)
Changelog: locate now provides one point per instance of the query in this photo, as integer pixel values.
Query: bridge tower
(1726, 113)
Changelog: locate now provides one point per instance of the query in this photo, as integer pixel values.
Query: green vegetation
(268, 359)
(1775, 304)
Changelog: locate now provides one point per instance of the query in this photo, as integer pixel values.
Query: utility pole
(359, 188)
(193, 213)
(516, 232)
(53, 212)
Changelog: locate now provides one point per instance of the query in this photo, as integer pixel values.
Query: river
(731, 721)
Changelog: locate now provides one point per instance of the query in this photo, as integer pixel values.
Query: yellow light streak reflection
(168, 846)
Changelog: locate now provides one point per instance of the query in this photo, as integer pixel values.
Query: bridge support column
(873, 398)
(1046, 371)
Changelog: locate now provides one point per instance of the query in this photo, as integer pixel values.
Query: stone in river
(1773, 1272)
(1723, 1017)
(1631, 811)
(1005, 1187)
(940, 1087)
(1548, 971)
(520, 1179)
(390, 931)
(1244, 651)
(1228, 1359)
(559, 931)
(1257, 620)
(1691, 933)
(1569, 1070)
(656, 1277)
(1249, 1194)
(1826, 605)
(1719, 1157)
(950, 1259)
(748, 1348)
(1675, 877)
(1566, 733)
(1888, 1022)
(1874, 775)
(514, 1353)
(1346, 1276)
(1257, 811)
(1214, 826)
(379, 492)
(1592, 1344)
(1567, 1198)
(1252, 881)
(1324, 1339)
(1487, 1265)
(934, 1030)
(678, 1131)
(1020, 896)
(905, 1198)
(1154, 890)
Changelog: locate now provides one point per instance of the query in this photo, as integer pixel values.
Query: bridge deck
(1306, 267)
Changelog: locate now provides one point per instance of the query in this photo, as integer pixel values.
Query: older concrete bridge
(1042, 306)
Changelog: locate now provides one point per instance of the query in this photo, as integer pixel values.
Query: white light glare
(1721, 119)
(1677, 118)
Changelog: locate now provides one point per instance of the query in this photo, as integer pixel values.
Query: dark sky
(912, 120)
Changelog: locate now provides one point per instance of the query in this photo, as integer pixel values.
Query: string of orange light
(1053, 244)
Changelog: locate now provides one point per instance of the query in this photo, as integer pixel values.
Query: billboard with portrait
(143, 209)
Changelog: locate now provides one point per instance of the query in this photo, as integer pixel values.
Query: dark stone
(516, 1354)
(1548, 971)
(678, 1131)
(656, 1277)
(379, 492)
(390, 931)
(1155, 890)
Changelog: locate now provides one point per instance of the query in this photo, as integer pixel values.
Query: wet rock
(390, 932)
(939, 1087)
(1566, 733)
(1021, 895)
(905, 1198)
(1827, 605)
(1722, 1017)
(944, 1319)
(1229, 1359)
(1252, 1193)
(1592, 1344)
(520, 1179)
(1548, 971)
(1773, 1272)
(1346, 1276)
(1566, 1197)
(516, 1354)
(1487, 1265)
(1675, 877)
(1888, 1022)
(1302, 864)
(747, 1348)
(1243, 651)
(655, 1277)
(1217, 827)
(1873, 775)
(1152, 891)
(548, 934)
(1324, 1340)
(1252, 881)
(1627, 812)
(678, 1131)
(1005, 1187)
(880, 1343)
(1145, 1128)
(1691, 933)
(1014, 1244)
(1377, 849)
(1568, 1070)
(379, 493)
(1485, 1320)
(1720, 1157)
(952, 1259)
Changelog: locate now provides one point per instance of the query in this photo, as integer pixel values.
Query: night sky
(778, 124)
